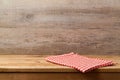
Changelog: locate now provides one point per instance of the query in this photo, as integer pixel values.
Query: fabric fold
(79, 62)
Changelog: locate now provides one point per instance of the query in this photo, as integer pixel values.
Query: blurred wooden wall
(59, 26)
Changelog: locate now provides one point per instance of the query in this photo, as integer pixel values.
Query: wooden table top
(37, 63)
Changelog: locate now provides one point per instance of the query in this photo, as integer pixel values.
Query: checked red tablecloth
(79, 62)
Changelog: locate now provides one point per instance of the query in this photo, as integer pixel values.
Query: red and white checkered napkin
(81, 63)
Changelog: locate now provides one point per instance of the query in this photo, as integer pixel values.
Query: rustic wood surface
(37, 63)
(59, 26)
(34, 67)
(59, 76)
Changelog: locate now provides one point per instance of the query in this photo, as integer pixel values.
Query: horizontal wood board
(37, 63)
(59, 26)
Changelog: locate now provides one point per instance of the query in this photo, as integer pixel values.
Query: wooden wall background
(59, 26)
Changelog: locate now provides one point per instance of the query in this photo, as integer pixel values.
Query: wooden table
(34, 67)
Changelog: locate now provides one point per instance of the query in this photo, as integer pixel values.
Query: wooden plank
(37, 63)
(34, 67)
(59, 76)
(59, 26)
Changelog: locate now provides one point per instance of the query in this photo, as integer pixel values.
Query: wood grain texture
(59, 26)
(34, 67)
(37, 63)
(59, 76)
